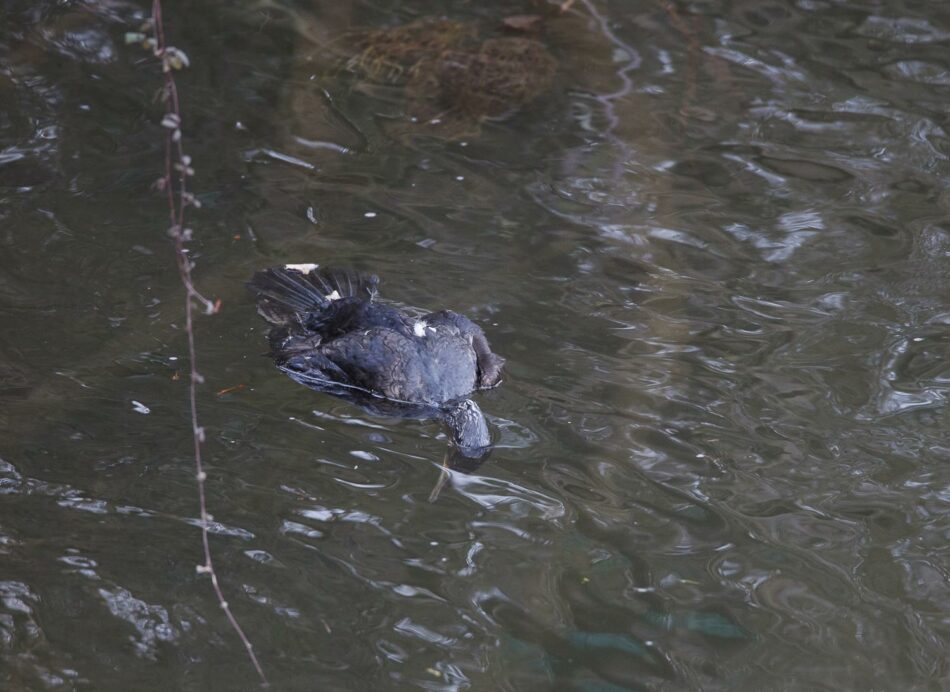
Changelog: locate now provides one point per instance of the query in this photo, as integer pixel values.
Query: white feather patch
(302, 268)
(334, 296)
(419, 328)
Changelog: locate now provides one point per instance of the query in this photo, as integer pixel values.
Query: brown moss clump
(388, 54)
(502, 75)
(453, 81)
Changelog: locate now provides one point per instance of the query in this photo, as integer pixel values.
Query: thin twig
(176, 160)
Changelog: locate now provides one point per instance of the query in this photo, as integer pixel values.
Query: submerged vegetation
(453, 79)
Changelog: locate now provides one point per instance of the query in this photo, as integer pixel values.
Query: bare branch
(174, 184)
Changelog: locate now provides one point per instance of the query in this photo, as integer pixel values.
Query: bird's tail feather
(285, 293)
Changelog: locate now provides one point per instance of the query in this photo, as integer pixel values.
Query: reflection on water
(713, 249)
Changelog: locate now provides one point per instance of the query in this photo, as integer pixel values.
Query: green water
(714, 253)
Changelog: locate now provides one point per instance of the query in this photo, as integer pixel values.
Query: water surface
(714, 252)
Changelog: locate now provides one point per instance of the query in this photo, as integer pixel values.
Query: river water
(714, 251)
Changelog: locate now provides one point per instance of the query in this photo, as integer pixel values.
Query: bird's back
(433, 369)
(329, 330)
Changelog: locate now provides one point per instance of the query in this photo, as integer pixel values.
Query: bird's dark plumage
(330, 333)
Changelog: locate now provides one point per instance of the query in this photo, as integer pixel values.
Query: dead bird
(329, 332)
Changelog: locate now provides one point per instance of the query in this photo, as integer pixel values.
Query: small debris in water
(234, 388)
(139, 407)
(522, 22)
